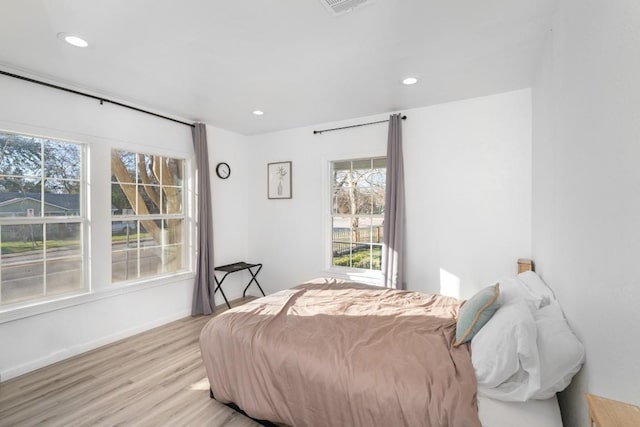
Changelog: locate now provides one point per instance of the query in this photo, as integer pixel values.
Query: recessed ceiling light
(410, 81)
(258, 113)
(73, 40)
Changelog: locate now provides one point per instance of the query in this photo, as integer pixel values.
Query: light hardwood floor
(152, 379)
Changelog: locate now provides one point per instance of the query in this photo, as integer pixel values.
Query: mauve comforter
(334, 353)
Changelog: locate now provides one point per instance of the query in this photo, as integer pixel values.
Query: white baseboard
(76, 350)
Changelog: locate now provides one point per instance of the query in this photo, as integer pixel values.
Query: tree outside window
(148, 219)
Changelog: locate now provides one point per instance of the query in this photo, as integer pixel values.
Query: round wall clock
(223, 170)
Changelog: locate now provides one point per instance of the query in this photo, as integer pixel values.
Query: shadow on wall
(575, 410)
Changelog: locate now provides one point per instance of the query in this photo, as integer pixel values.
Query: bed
(331, 352)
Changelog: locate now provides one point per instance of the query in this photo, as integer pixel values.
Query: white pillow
(561, 353)
(505, 355)
(536, 286)
(512, 290)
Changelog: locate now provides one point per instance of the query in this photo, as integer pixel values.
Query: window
(148, 220)
(42, 218)
(357, 212)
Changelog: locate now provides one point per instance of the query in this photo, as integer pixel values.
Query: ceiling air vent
(338, 7)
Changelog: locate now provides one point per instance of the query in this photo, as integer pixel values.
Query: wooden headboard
(525, 264)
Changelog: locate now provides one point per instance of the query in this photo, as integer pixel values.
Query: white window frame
(184, 216)
(97, 228)
(82, 219)
(373, 277)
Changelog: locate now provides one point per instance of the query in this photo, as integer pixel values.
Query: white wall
(230, 208)
(468, 191)
(86, 322)
(586, 198)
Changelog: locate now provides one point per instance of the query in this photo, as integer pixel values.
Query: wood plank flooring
(152, 379)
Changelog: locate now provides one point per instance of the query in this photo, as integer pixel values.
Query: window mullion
(42, 193)
(138, 258)
(162, 241)
(42, 216)
(44, 258)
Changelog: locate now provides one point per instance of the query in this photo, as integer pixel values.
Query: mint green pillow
(475, 312)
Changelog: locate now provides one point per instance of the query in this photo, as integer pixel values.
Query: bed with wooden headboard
(331, 352)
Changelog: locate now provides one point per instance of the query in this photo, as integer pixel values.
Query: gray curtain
(393, 242)
(203, 302)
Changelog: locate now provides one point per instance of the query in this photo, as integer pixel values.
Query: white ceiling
(216, 61)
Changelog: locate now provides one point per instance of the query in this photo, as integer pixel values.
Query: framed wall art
(279, 180)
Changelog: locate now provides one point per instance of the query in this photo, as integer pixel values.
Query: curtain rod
(88, 95)
(354, 126)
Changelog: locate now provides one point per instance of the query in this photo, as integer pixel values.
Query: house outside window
(42, 219)
(148, 217)
(357, 212)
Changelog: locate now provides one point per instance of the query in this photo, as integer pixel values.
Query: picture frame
(279, 180)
